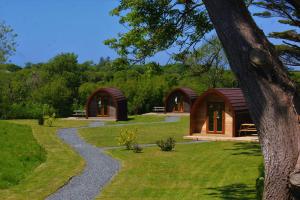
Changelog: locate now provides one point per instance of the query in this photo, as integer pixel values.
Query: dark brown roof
(118, 97)
(234, 96)
(114, 92)
(188, 92)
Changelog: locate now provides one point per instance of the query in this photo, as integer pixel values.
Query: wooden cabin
(180, 100)
(107, 103)
(220, 111)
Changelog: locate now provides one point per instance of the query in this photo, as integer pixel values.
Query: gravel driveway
(99, 170)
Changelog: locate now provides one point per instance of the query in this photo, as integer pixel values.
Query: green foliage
(287, 13)
(19, 153)
(127, 138)
(50, 119)
(7, 42)
(157, 25)
(260, 183)
(166, 145)
(64, 85)
(137, 148)
(24, 111)
(41, 120)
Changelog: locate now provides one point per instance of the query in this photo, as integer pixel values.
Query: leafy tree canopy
(7, 42)
(157, 25)
(288, 13)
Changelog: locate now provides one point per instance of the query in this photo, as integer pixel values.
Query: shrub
(50, 119)
(137, 148)
(41, 120)
(25, 111)
(166, 145)
(260, 183)
(127, 138)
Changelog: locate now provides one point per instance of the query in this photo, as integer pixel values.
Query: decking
(210, 137)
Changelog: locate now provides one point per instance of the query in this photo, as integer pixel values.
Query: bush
(137, 148)
(260, 183)
(127, 138)
(50, 119)
(166, 145)
(25, 111)
(41, 120)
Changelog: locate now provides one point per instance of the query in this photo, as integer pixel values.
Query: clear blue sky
(46, 28)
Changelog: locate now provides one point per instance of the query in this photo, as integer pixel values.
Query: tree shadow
(233, 192)
(130, 118)
(246, 148)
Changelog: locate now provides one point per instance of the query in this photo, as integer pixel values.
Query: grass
(147, 133)
(208, 171)
(140, 119)
(61, 164)
(19, 153)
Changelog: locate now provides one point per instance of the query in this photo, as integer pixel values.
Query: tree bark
(268, 90)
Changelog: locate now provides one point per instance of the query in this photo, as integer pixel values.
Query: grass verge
(61, 164)
(19, 153)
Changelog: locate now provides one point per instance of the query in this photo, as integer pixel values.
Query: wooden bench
(79, 113)
(247, 128)
(158, 109)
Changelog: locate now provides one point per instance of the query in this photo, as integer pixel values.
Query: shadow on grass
(246, 148)
(233, 192)
(130, 118)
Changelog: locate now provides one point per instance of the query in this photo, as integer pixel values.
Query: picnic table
(158, 109)
(79, 113)
(247, 127)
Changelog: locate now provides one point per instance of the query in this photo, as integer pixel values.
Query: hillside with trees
(62, 84)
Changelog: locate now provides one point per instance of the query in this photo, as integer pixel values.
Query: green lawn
(147, 133)
(214, 170)
(61, 164)
(19, 153)
(140, 119)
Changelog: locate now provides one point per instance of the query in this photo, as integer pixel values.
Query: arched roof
(118, 98)
(115, 93)
(233, 96)
(188, 92)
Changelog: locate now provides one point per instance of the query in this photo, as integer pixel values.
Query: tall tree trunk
(267, 88)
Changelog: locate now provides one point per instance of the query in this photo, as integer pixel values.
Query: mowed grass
(206, 171)
(19, 153)
(140, 119)
(146, 133)
(60, 165)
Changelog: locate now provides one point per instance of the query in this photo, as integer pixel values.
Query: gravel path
(99, 170)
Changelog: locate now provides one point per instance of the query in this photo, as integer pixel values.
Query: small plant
(137, 148)
(50, 119)
(166, 145)
(260, 183)
(41, 120)
(127, 138)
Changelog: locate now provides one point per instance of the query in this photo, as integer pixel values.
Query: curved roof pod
(233, 97)
(189, 94)
(118, 99)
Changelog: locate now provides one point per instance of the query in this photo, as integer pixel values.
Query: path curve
(99, 170)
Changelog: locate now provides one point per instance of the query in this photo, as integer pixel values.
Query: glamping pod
(180, 100)
(107, 102)
(219, 111)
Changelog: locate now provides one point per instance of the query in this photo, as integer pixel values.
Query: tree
(288, 13)
(7, 42)
(271, 95)
(210, 61)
